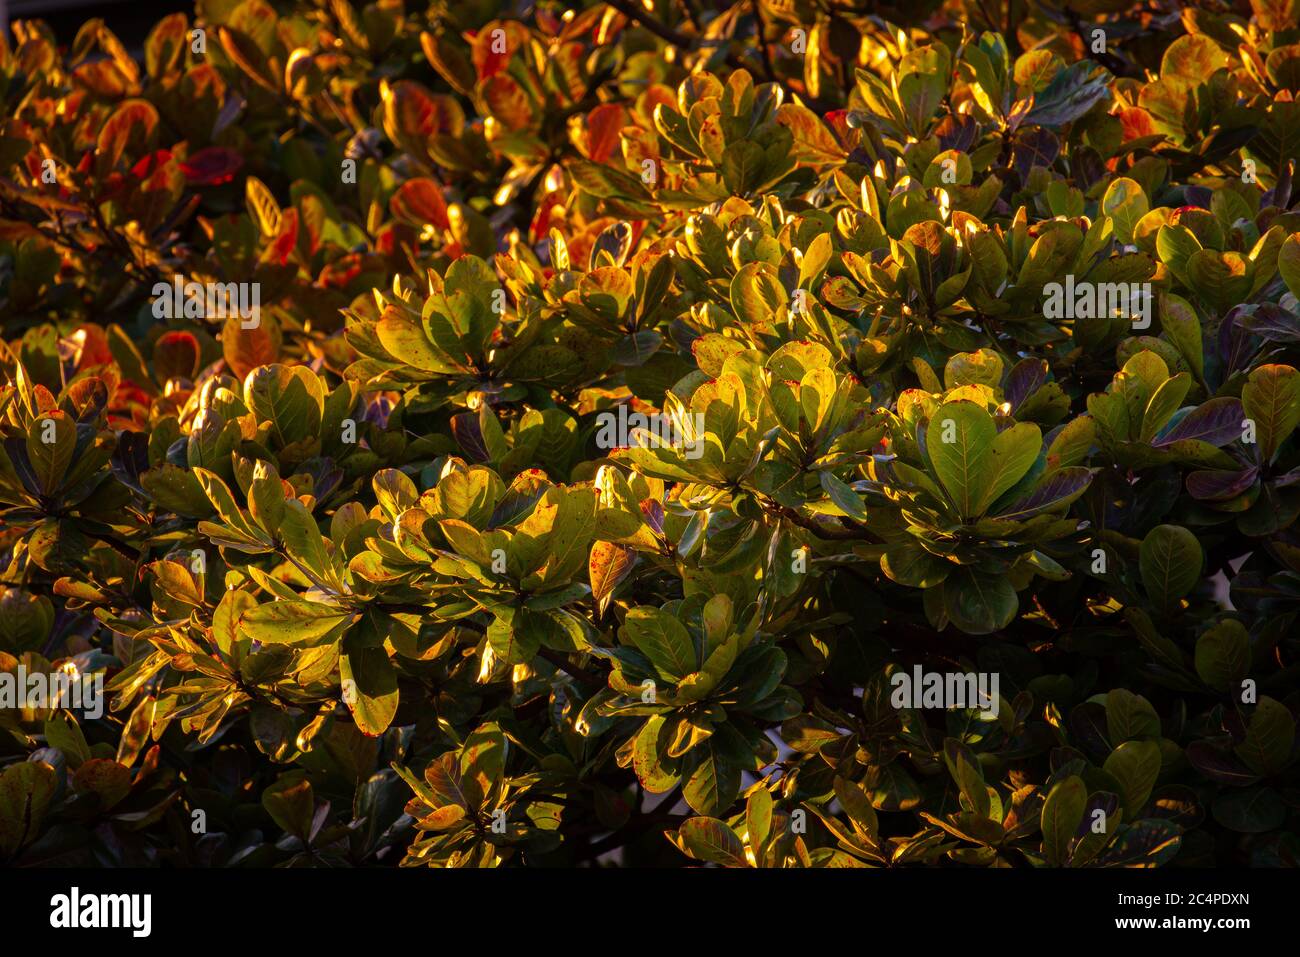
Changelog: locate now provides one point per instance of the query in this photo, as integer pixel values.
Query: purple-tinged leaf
(469, 436)
(1220, 485)
(1237, 344)
(1025, 378)
(1105, 801)
(1287, 478)
(1219, 764)
(1061, 489)
(1272, 323)
(1217, 423)
(1146, 843)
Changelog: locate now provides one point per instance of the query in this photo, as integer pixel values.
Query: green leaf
(514, 637)
(292, 805)
(369, 688)
(406, 341)
(910, 564)
(979, 603)
(959, 441)
(1130, 717)
(26, 790)
(714, 783)
(1253, 810)
(662, 639)
(1271, 398)
(1011, 455)
(51, 442)
(305, 544)
(757, 295)
(1223, 655)
(845, 499)
(1182, 327)
(1170, 563)
(292, 622)
(1269, 737)
(1125, 203)
(965, 769)
(758, 820)
(1164, 403)
(1062, 813)
(649, 758)
(1288, 263)
(742, 167)
(1135, 765)
(708, 839)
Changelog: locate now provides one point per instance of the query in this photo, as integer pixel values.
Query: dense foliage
(377, 566)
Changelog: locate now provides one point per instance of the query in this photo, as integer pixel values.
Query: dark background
(131, 20)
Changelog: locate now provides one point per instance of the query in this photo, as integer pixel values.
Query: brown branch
(581, 675)
(760, 34)
(830, 533)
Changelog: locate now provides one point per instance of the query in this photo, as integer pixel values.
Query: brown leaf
(608, 565)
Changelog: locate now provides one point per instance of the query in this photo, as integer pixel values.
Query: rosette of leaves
(726, 140)
(904, 104)
(308, 643)
(54, 484)
(1195, 84)
(1258, 489)
(1248, 756)
(71, 788)
(976, 504)
(280, 414)
(704, 684)
(536, 90)
(990, 818)
(518, 555)
(886, 758)
(470, 811)
(915, 295)
(618, 303)
(1141, 421)
(1105, 804)
(753, 272)
(1210, 254)
(453, 342)
(721, 425)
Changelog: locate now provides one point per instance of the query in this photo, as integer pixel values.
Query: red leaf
(603, 126)
(91, 347)
(541, 225)
(1136, 123)
(420, 201)
(212, 166)
(506, 35)
(150, 164)
(838, 120)
(176, 355)
(283, 245)
(342, 271)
